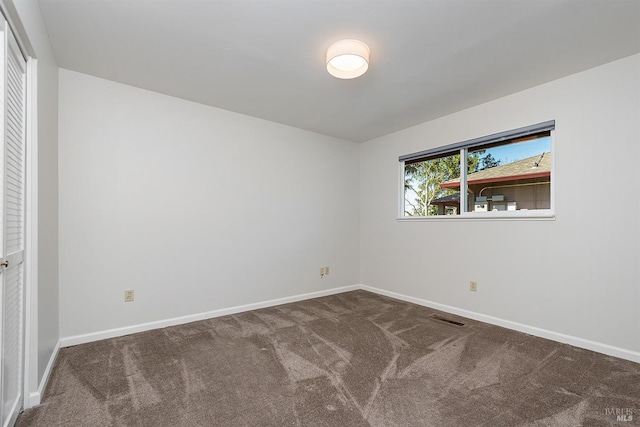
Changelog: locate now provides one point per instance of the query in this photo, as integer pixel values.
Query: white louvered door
(12, 93)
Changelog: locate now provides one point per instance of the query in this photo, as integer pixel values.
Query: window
(505, 174)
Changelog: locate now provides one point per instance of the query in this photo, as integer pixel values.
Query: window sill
(484, 216)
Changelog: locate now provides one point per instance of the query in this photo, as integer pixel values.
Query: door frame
(31, 394)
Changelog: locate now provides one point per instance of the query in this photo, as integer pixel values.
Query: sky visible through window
(521, 150)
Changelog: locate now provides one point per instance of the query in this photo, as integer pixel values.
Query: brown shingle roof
(521, 169)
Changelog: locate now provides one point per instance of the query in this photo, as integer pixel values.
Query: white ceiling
(265, 58)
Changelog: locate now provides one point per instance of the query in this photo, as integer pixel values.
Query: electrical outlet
(326, 271)
(322, 272)
(128, 295)
(473, 286)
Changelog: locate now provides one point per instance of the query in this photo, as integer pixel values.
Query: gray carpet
(353, 359)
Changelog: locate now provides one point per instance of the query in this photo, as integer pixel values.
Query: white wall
(174, 198)
(578, 275)
(194, 207)
(27, 16)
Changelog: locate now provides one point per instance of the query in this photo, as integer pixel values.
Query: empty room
(320, 213)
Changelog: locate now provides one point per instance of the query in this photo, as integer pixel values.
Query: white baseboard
(118, 332)
(35, 397)
(532, 330)
(610, 350)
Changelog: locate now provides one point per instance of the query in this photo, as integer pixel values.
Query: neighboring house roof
(537, 166)
(455, 197)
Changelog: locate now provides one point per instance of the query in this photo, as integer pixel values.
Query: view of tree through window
(423, 181)
(504, 176)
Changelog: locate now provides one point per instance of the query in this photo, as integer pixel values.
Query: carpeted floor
(353, 359)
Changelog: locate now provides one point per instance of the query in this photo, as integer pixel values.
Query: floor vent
(453, 322)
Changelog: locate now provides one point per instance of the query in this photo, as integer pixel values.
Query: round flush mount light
(347, 59)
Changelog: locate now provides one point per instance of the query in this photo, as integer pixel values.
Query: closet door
(12, 94)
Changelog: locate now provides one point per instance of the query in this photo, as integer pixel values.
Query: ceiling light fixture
(347, 59)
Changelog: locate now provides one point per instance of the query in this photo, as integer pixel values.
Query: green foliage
(422, 182)
(488, 161)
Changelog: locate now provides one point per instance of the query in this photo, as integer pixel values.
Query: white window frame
(463, 148)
